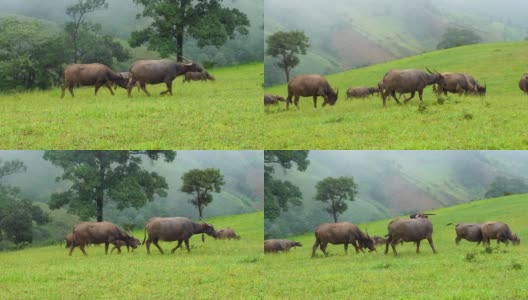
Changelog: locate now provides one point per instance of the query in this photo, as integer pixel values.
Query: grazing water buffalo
(410, 230)
(407, 81)
(271, 246)
(126, 76)
(378, 240)
(158, 71)
(311, 86)
(98, 233)
(498, 231)
(341, 233)
(174, 229)
(469, 231)
(459, 83)
(198, 76)
(523, 83)
(272, 99)
(90, 75)
(226, 234)
(121, 243)
(360, 92)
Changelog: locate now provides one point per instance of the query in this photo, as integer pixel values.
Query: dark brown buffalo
(198, 76)
(68, 239)
(358, 92)
(342, 233)
(459, 83)
(158, 71)
(174, 229)
(410, 230)
(523, 83)
(498, 231)
(126, 76)
(378, 240)
(87, 233)
(121, 243)
(97, 75)
(311, 86)
(272, 246)
(226, 234)
(468, 231)
(272, 99)
(407, 81)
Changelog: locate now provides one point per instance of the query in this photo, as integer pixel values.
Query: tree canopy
(335, 191)
(504, 186)
(206, 21)
(280, 194)
(97, 177)
(285, 46)
(455, 37)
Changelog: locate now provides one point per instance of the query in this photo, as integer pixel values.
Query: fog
(392, 183)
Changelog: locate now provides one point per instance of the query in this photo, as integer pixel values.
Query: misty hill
(350, 34)
(242, 192)
(119, 20)
(391, 183)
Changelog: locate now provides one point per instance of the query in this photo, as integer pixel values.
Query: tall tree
(455, 37)
(286, 46)
(280, 194)
(100, 176)
(336, 191)
(78, 14)
(206, 21)
(17, 214)
(201, 183)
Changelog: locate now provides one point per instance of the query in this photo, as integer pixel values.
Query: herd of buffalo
(140, 74)
(157, 229)
(409, 81)
(415, 229)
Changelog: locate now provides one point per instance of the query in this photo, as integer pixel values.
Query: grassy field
(463, 272)
(201, 115)
(496, 121)
(216, 269)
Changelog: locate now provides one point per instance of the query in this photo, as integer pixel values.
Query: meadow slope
(463, 272)
(200, 115)
(496, 121)
(214, 269)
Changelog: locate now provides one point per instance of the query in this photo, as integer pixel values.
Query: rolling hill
(463, 272)
(214, 269)
(492, 122)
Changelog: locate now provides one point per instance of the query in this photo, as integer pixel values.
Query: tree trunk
(334, 213)
(179, 47)
(99, 203)
(200, 212)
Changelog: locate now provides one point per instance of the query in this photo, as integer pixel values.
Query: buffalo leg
(148, 246)
(346, 249)
(420, 93)
(178, 246)
(106, 247)
(323, 248)
(393, 245)
(71, 249)
(63, 90)
(70, 88)
(418, 246)
(97, 87)
(82, 249)
(155, 242)
(143, 86)
(393, 94)
(169, 88)
(288, 101)
(297, 101)
(413, 93)
(315, 101)
(187, 245)
(314, 248)
(109, 87)
(131, 82)
(430, 240)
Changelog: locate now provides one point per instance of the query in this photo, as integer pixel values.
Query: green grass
(202, 115)
(496, 121)
(216, 269)
(463, 272)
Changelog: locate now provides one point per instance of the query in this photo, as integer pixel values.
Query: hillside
(214, 269)
(463, 272)
(200, 115)
(361, 32)
(492, 122)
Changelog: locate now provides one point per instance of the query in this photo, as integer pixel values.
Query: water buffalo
(69, 239)
(410, 230)
(226, 234)
(523, 83)
(311, 86)
(271, 246)
(174, 229)
(359, 92)
(121, 243)
(198, 76)
(469, 231)
(407, 81)
(97, 75)
(341, 233)
(126, 76)
(459, 83)
(158, 71)
(98, 233)
(378, 240)
(498, 231)
(272, 99)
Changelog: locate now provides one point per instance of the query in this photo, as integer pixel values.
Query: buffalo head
(515, 240)
(367, 243)
(332, 97)
(122, 82)
(208, 229)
